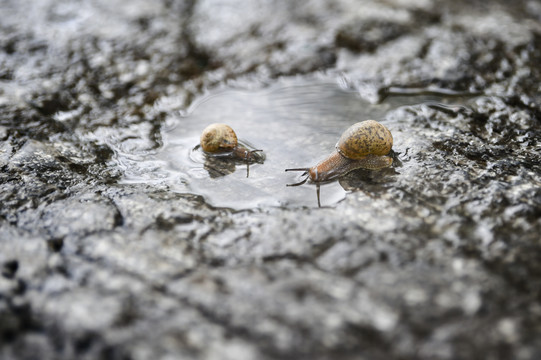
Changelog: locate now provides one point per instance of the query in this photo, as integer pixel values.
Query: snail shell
(217, 138)
(365, 138)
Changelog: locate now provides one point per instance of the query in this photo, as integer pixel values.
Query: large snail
(365, 144)
(221, 140)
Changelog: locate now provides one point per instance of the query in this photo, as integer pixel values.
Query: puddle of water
(296, 123)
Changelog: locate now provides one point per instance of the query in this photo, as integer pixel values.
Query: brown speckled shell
(218, 138)
(364, 138)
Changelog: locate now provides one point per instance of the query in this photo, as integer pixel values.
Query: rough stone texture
(443, 261)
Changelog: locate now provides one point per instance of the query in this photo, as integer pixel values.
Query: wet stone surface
(119, 240)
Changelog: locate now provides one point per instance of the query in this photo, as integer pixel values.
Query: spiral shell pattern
(218, 138)
(364, 138)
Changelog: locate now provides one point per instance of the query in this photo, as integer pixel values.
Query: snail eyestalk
(252, 155)
(299, 169)
(304, 174)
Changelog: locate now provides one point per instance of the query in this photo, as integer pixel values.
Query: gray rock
(107, 252)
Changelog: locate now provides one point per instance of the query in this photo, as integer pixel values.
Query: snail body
(364, 145)
(221, 140)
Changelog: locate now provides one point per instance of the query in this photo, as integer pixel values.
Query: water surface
(295, 122)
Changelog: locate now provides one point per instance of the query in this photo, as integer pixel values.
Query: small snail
(365, 144)
(221, 140)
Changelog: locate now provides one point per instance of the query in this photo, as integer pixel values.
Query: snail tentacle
(299, 169)
(306, 170)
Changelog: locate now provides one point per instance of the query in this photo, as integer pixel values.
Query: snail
(220, 140)
(365, 144)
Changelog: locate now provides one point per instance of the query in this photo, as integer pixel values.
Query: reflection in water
(219, 166)
(294, 122)
(368, 179)
(326, 197)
